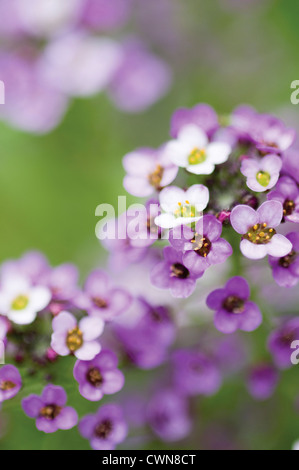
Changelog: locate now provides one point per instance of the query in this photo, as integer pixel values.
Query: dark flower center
(287, 338)
(259, 234)
(104, 429)
(95, 377)
(234, 304)
(74, 339)
(50, 412)
(286, 261)
(180, 271)
(201, 245)
(7, 385)
(288, 207)
(99, 302)
(155, 178)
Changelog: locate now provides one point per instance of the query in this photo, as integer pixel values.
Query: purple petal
(243, 218)
(91, 393)
(160, 275)
(239, 287)
(67, 419)
(216, 299)
(64, 322)
(182, 288)
(32, 405)
(87, 426)
(113, 382)
(226, 322)
(251, 318)
(46, 425)
(271, 213)
(220, 251)
(91, 327)
(195, 263)
(210, 227)
(53, 394)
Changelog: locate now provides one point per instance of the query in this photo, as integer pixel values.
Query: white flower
(182, 207)
(192, 150)
(20, 301)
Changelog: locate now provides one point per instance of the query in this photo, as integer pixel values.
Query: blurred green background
(51, 185)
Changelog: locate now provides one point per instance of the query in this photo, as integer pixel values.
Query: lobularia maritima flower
(158, 344)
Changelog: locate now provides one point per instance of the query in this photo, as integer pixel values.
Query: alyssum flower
(233, 309)
(287, 192)
(10, 382)
(79, 339)
(49, 410)
(286, 269)
(262, 174)
(259, 237)
(182, 207)
(20, 301)
(192, 150)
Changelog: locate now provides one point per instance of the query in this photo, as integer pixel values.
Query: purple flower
(259, 237)
(99, 377)
(202, 115)
(101, 298)
(262, 381)
(141, 80)
(32, 265)
(262, 174)
(147, 170)
(233, 309)
(69, 337)
(105, 429)
(148, 231)
(192, 150)
(174, 275)
(146, 342)
(280, 341)
(50, 411)
(10, 382)
(204, 247)
(168, 415)
(101, 15)
(272, 136)
(286, 269)
(195, 373)
(62, 281)
(287, 193)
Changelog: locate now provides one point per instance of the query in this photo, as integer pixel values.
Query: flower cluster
(53, 51)
(182, 303)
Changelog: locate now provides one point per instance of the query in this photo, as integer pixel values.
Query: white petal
(193, 136)
(205, 168)
(39, 298)
(170, 197)
(165, 221)
(279, 246)
(252, 251)
(91, 327)
(22, 317)
(198, 195)
(218, 152)
(178, 153)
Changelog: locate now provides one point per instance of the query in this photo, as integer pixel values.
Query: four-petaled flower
(10, 382)
(287, 192)
(259, 237)
(262, 174)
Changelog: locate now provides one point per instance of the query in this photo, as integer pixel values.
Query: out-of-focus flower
(206, 248)
(79, 64)
(80, 339)
(182, 207)
(49, 410)
(148, 170)
(287, 193)
(286, 269)
(174, 275)
(280, 341)
(233, 309)
(262, 174)
(100, 15)
(141, 79)
(195, 373)
(99, 377)
(262, 381)
(101, 298)
(192, 150)
(20, 302)
(10, 382)
(105, 429)
(168, 415)
(146, 341)
(259, 237)
(202, 115)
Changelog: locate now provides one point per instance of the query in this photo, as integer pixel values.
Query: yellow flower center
(197, 156)
(260, 234)
(20, 302)
(155, 178)
(263, 178)
(74, 339)
(185, 210)
(7, 385)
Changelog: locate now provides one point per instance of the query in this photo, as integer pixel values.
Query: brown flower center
(95, 377)
(7, 385)
(100, 302)
(155, 178)
(286, 261)
(104, 429)
(50, 412)
(259, 234)
(288, 207)
(234, 304)
(201, 245)
(179, 270)
(74, 339)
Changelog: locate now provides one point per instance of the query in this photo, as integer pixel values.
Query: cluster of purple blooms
(201, 243)
(53, 51)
